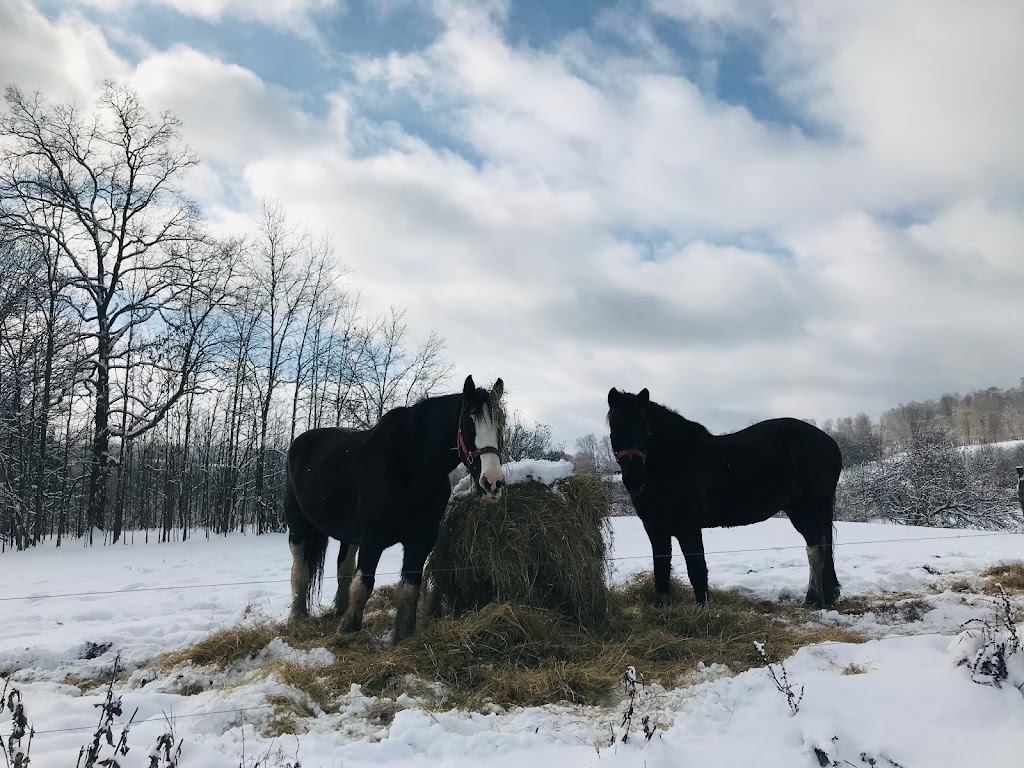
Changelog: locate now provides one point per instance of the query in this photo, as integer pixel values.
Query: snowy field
(912, 706)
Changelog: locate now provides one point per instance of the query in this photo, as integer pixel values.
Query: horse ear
(498, 389)
(643, 396)
(613, 397)
(469, 388)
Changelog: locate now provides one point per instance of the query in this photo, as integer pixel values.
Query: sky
(790, 207)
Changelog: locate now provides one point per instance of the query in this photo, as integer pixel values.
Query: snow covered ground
(911, 704)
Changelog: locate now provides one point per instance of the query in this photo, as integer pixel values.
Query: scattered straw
(1009, 575)
(513, 654)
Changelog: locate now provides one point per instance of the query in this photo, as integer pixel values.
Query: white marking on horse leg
(300, 582)
(815, 580)
(358, 594)
(406, 598)
(346, 567)
(491, 473)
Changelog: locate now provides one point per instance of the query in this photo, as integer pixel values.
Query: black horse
(683, 479)
(1020, 487)
(381, 486)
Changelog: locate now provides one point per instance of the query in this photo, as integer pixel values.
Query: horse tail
(312, 541)
(832, 587)
(316, 552)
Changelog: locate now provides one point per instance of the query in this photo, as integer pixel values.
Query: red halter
(468, 456)
(620, 455)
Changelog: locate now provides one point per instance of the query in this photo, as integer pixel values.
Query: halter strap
(468, 456)
(619, 455)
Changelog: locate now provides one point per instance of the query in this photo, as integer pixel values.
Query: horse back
(769, 467)
(785, 448)
(324, 468)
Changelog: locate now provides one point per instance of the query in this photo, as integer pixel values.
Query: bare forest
(152, 374)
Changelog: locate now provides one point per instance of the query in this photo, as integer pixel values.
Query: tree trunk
(98, 463)
(44, 416)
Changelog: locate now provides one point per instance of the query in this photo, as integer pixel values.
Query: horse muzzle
(491, 492)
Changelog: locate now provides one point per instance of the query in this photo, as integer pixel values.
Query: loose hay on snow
(1010, 576)
(537, 546)
(512, 654)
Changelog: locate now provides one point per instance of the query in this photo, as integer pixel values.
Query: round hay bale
(539, 546)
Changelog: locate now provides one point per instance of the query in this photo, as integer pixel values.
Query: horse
(683, 479)
(386, 485)
(1020, 487)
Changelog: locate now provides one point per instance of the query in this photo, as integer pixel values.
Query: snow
(541, 470)
(913, 702)
(1005, 445)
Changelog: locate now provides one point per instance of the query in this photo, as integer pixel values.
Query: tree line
(981, 417)
(152, 373)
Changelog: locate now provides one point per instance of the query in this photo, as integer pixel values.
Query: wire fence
(471, 567)
(350, 697)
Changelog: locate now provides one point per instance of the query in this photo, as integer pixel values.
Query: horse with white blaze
(386, 485)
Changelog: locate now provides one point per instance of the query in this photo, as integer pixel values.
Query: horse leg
(661, 550)
(691, 541)
(308, 547)
(362, 585)
(300, 580)
(830, 589)
(413, 557)
(816, 577)
(822, 582)
(346, 567)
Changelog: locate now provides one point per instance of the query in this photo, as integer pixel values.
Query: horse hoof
(398, 637)
(661, 599)
(816, 602)
(350, 623)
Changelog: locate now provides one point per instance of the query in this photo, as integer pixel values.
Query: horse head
(479, 437)
(629, 433)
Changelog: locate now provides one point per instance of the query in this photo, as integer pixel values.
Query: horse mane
(662, 416)
(416, 409)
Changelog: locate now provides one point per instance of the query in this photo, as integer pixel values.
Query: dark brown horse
(373, 488)
(683, 479)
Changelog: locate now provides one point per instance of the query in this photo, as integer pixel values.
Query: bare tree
(323, 306)
(102, 189)
(388, 374)
(521, 441)
(125, 331)
(932, 482)
(594, 455)
(282, 285)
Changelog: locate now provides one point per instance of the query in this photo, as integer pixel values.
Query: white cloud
(717, 11)
(929, 90)
(66, 59)
(230, 114)
(295, 16)
(785, 279)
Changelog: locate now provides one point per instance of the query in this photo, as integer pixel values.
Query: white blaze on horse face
(491, 472)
